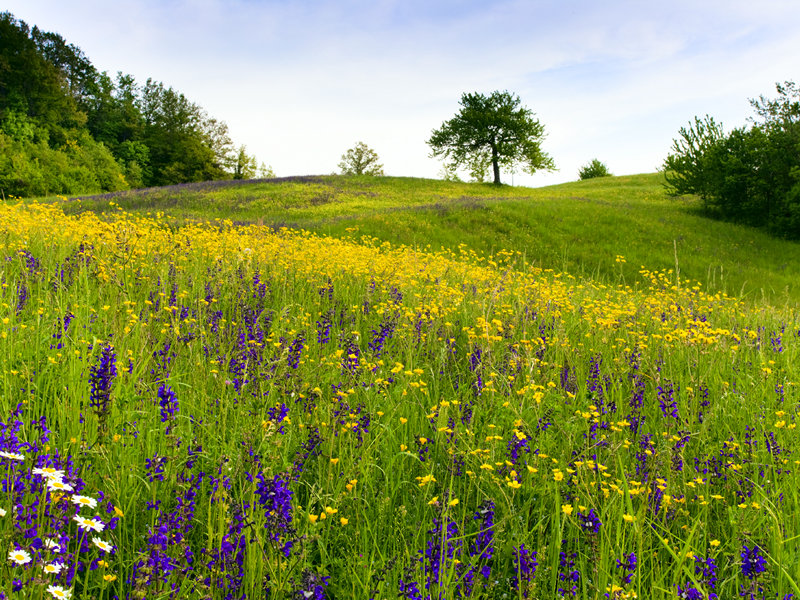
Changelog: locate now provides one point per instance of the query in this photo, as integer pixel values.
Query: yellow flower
(566, 509)
(334, 461)
(453, 502)
(628, 518)
(558, 475)
(513, 484)
(714, 543)
(343, 521)
(313, 518)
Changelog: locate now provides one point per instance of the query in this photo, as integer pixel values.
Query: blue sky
(299, 82)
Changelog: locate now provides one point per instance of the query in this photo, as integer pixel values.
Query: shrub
(593, 169)
(752, 174)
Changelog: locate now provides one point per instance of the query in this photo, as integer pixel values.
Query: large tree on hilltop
(491, 131)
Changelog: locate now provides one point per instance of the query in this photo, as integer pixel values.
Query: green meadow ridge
(606, 228)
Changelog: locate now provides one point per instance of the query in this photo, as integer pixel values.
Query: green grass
(579, 227)
(388, 412)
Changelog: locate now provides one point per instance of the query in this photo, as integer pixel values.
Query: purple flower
(101, 376)
(689, 593)
(753, 562)
(628, 565)
(667, 401)
(311, 586)
(168, 403)
(295, 351)
(409, 590)
(589, 522)
(524, 566)
(22, 297)
(483, 545)
(275, 498)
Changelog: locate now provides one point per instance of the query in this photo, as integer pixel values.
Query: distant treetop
(593, 169)
(360, 160)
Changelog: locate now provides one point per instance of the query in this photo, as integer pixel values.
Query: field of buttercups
(214, 411)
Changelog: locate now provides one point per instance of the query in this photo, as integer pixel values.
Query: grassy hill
(582, 228)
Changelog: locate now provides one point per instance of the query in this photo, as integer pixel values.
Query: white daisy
(49, 472)
(52, 545)
(84, 501)
(11, 455)
(56, 485)
(3, 512)
(19, 556)
(52, 568)
(87, 524)
(59, 592)
(104, 546)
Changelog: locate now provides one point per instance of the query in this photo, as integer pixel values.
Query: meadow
(577, 227)
(194, 407)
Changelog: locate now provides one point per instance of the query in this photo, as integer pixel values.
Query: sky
(299, 81)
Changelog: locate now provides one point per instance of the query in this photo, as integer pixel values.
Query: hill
(606, 228)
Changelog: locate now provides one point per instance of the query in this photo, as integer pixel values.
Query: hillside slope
(605, 228)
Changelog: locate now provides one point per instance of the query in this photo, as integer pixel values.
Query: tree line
(750, 175)
(67, 128)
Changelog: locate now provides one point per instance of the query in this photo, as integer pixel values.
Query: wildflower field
(221, 411)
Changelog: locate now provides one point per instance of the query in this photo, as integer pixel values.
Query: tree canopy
(360, 160)
(592, 169)
(491, 131)
(750, 175)
(67, 128)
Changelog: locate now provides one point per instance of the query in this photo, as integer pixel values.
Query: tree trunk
(495, 166)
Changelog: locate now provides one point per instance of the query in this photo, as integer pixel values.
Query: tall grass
(275, 413)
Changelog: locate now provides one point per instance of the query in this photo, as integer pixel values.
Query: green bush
(752, 174)
(29, 166)
(593, 169)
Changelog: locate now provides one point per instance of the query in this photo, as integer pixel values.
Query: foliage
(593, 169)
(30, 166)
(57, 112)
(266, 171)
(491, 132)
(246, 166)
(360, 160)
(752, 174)
(449, 173)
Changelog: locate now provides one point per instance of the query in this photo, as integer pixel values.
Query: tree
(593, 169)
(245, 166)
(687, 169)
(360, 160)
(266, 171)
(491, 131)
(750, 175)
